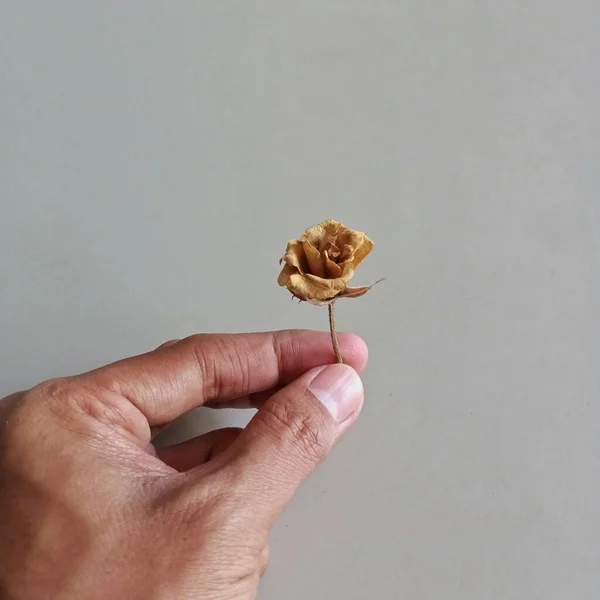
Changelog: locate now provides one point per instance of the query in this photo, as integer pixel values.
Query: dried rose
(319, 265)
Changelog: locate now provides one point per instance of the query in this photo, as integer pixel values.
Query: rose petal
(332, 269)
(286, 273)
(314, 235)
(325, 289)
(347, 271)
(333, 251)
(295, 256)
(362, 251)
(331, 227)
(350, 238)
(316, 263)
(330, 230)
(347, 254)
(311, 288)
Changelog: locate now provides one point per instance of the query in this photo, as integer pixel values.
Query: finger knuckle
(26, 416)
(47, 396)
(79, 407)
(300, 428)
(287, 348)
(227, 364)
(213, 361)
(53, 389)
(58, 396)
(185, 500)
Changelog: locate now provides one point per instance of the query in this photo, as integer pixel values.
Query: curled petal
(332, 228)
(311, 288)
(333, 270)
(314, 235)
(347, 271)
(347, 254)
(333, 251)
(330, 287)
(316, 262)
(362, 251)
(350, 238)
(284, 277)
(295, 256)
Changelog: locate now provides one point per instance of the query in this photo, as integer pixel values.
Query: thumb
(291, 434)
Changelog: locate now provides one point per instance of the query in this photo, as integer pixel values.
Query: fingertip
(354, 350)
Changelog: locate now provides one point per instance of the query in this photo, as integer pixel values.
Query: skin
(89, 509)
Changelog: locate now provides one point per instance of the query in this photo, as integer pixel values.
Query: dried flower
(319, 265)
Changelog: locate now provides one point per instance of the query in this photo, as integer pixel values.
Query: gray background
(155, 158)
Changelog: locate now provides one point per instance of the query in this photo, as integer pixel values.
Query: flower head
(319, 265)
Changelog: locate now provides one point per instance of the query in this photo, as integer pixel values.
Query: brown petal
(311, 288)
(326, 243)
(332, 269)
(350, 238)
(314, 235)
(347, 254)
(347, 271)
(333, 251)
(325, 289)
(331, 227)
(295, 256)
(316, 264)
(284, 276)
(362, 251)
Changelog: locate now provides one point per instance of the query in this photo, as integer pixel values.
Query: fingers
(199, 450)
(173, 379)
(291, 434)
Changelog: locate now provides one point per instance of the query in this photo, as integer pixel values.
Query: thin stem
(334, 340)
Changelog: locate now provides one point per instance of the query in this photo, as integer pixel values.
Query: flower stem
(334, 340)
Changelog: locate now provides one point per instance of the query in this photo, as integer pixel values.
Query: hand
(89, 509)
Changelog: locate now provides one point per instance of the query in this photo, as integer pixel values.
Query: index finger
(169, 381)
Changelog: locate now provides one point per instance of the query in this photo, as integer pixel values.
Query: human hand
(90, 510)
